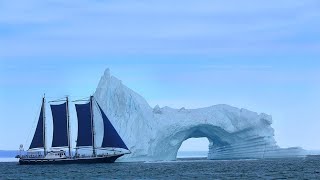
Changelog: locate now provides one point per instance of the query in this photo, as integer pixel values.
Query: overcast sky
(259, 55)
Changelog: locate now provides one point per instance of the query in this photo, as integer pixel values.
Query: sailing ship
(112, 145)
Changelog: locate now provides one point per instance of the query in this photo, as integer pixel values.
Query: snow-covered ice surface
(154, 134)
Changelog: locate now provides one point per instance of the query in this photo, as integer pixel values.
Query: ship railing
(31, 156)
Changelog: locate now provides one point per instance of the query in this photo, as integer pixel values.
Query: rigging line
(63, 99)
(84, 147)
(59, 100)
(87, 97)
(60, 97)
(53, 97)
(80, 101)
(83, 99)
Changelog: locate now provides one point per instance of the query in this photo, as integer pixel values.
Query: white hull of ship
(80, 160)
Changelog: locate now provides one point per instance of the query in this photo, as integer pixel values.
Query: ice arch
(215, 135)
(157, 133)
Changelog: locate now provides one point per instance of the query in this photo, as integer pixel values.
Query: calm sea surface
(299, 168)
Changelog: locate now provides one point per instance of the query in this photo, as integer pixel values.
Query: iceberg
(156, 134)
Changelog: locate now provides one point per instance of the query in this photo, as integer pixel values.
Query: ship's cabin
(56, 154)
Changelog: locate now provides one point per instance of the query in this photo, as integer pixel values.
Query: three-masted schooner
(111, 142)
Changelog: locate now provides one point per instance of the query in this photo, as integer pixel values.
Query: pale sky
(259, 55)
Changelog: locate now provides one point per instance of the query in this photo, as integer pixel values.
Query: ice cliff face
(157, 133)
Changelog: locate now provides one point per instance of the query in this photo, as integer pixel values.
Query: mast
(44, 125)
(68, 125)
(92, 125)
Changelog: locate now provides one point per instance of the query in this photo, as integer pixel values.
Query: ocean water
(8, 160)
(192, 154)
(297, 168)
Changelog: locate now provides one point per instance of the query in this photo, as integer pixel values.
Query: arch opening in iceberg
(168, 147)
(194, 148)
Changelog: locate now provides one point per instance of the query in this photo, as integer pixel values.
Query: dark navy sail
(111, 137)
(60, 125)
(84, 125)
(38, 138)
